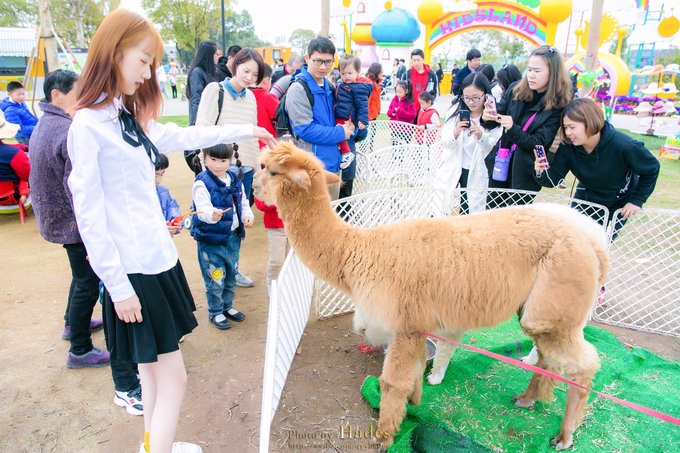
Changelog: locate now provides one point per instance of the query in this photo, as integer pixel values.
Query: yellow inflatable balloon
(608, 29)
(346, 3)
(388, 6)
(669, 26)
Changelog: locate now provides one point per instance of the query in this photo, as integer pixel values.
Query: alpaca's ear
(301, 178)
(331, 178)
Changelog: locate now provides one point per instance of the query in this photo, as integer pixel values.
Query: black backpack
(282, 123)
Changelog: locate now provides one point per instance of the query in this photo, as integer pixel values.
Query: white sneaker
(243, 280)
(131, 401)
(346, 160)
(179, 447)
(186, 447)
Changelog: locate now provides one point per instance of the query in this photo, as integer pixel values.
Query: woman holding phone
(529, 113)
(467, 139)
(612, 169)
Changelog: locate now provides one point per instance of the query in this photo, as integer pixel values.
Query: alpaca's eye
(272, 172)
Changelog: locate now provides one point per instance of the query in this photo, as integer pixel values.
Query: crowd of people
(98, 145)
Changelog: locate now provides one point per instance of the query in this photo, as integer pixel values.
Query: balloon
(669, 26)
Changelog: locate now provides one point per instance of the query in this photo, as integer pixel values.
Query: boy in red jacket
(279, 246)
(14, 165)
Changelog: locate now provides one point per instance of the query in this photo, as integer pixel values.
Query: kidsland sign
(511, 18)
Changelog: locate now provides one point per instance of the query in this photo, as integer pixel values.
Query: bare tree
(46, 33)
(78, 8)
(325, 17)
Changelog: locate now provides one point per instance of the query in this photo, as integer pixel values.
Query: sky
(275, 19)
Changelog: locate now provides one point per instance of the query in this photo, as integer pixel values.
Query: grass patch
(180, 120)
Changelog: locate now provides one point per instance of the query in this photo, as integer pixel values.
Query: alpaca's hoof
(562, 442)
(385, 440)
(522, 401)
(435, 378)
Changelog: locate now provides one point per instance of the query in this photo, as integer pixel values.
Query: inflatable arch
(491, 15)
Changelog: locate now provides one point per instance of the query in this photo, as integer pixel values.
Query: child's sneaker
(95, 325)
(346, 161)
(131, 401)
(186, 447)
(94, 359)
(243, 280)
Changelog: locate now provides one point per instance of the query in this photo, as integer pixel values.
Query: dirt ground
(45, 407)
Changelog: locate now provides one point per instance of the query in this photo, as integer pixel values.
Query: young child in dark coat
(351, 103)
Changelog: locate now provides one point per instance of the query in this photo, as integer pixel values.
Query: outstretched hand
(264, 135)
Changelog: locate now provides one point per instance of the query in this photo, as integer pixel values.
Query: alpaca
(450, 275)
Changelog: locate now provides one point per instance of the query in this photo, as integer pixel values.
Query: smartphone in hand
(464, 115)
(490, 104)
(540, 152)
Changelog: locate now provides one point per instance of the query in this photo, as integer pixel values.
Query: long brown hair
(119, 31)
(559, 92)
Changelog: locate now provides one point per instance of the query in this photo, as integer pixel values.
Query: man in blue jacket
(474, 59)
(314, 125)
(17, 112)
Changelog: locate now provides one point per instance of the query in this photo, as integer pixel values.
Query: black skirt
(167, 313)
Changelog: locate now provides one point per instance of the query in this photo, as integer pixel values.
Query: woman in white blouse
(466, 143)
(113, 143)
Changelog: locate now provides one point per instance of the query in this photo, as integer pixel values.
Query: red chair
(9, 204)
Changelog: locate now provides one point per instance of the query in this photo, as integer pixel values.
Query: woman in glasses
(529, 113)
(467, 139)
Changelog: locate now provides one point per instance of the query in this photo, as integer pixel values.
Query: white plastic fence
(382, 134)
(290, 301)
(410, 165)
(643, 285)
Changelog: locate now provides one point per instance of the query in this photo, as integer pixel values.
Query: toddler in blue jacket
(351, 103)
(17, 112)
(169, 205)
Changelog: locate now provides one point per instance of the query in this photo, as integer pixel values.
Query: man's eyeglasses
(319, 62)
(472, 98)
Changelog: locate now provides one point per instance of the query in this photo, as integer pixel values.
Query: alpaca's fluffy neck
(318, 235)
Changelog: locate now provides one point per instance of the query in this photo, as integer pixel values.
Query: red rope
(541, 371)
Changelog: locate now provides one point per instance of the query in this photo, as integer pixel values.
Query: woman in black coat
(613, 169)
(201, 73)
(539, 97)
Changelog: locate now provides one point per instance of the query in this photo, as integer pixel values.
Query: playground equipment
(388, 34)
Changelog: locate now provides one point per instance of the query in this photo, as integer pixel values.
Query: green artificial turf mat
(472, 411)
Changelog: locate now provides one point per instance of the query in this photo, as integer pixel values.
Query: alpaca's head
(288, 171)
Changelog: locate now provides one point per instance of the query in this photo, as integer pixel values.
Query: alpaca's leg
(400, 373)
(416, 395)
(588, 363)
(442, 358)
(539, 388)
